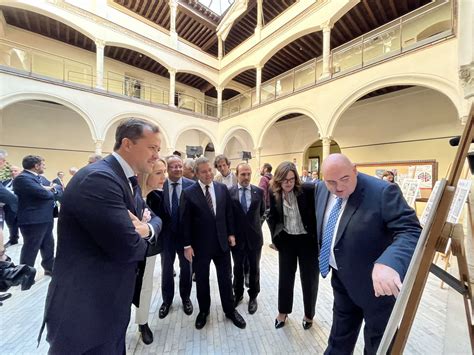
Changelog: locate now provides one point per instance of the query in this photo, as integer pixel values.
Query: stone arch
(230, 134)
(279, 114)
(15, 98)
(121, 116)
(187, 71)
(212, 138)
(425, 80)
(233, 74)
(52, 15)
(140, 50)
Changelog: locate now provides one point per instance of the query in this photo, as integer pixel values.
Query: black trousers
(301, 250)
(201, 264)
(241, 257)
(348, 316)
(168, 256)
(12, 223)
(38, 237)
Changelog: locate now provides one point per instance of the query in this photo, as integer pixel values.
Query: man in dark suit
(10, 207)
(249, 207)
(172, 190)
(35, 213)
(58, 180)
(208, 230)
(101, 241)
(368, 234)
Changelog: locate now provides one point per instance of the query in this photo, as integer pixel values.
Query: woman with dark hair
(388, 176)
(292, 225)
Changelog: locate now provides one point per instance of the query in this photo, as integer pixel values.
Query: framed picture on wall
(314, 164)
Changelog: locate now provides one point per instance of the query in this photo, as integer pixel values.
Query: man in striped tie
(208, 233)
(367, 233)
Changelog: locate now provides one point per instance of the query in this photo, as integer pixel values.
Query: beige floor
(20, 320)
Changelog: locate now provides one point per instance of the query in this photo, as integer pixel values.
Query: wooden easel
(428, 250)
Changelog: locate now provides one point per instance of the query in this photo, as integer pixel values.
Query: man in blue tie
(367, 233)
(248, 206)
(172, 189)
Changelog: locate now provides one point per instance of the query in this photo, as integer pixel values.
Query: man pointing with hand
(367, 235)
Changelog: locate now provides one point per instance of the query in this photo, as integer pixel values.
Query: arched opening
(313, 156)
(109, 138)
(238, 147)
(247, 99)
(193, 143)
(49, 129)
(288, 139)
(399, 123)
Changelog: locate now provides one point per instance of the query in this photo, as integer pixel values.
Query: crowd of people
(118, 213)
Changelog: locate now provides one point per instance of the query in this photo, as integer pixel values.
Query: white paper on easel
(429, 205)
(410, 190)
(460, 197)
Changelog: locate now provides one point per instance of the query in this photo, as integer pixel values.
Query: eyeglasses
(289, 181)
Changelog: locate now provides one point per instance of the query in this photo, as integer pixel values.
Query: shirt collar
(32, 172)
(179, 182)
(203, 187)
(240, 186)
(127, 169)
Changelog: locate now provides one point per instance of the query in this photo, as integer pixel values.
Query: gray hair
(189, 163)
(199, 161)
(3, 154)
(173, 157)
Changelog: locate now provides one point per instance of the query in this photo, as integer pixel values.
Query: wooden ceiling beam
(335, 30)
(393, 8)
(153, 17)
(187, 10)
(346, 29)
(369, 11)
(353, 23)
(164, 12)
(153, 5)
(137, 3)
(381, 11)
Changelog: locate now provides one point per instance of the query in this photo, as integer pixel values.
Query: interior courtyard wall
(411, 124)
(53, 131)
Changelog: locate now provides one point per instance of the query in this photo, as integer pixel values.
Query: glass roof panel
(217, 6)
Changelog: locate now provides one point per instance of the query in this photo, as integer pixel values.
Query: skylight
(217, 6)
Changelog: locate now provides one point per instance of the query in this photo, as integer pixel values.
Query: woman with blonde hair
(293, 229)
(152, 191)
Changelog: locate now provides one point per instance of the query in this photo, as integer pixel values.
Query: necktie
(243, 199)
(134, 182)
(209, 200)
(327, 237)
(174, 207)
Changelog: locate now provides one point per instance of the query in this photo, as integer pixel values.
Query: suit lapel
(253, 197)
(201, 198)
(166, 197)
(321, 203)
(352, 204)
(117, 169)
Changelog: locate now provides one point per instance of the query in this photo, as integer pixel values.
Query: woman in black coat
(293, 225)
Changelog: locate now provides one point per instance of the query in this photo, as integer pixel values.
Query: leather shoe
(3, 297)
(188, 307)
(164, 310)
(253, 305)
(146, 333)
(237, 300)
(237, 319)
(48, 273)
(201, 320)
(28, 279)
(280, 323)
(307, 324)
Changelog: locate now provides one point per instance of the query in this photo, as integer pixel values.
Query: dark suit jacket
(200, 226)
(377, 226)
(58, 181)
(35, 204)
(248, 226)
(10, 200)
(305, 206)
(90, 294)
(168, 238)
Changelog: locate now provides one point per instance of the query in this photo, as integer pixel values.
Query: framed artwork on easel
(314, 164)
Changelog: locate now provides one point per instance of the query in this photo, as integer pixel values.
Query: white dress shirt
(329, 206)
(211, 191)
(248, 195)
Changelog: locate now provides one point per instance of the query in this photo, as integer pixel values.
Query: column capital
(172, 71)
(326, 26)
(173, 4)
(326, 140)
(99, 43)
(466, 77)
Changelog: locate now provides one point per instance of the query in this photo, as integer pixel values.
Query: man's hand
(188, 254)
(386, 281)
(146, 216)
(140, 227)
(231, 240)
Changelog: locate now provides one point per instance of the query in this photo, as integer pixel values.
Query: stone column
(172, 87)
(326, 147)
(219, 101)
(173, 12)
(258, 28)
(99, 71)
(326, 52)
(220, 46)
(98, 146)
(258, 85)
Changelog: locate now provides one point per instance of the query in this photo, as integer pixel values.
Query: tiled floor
(21, 316)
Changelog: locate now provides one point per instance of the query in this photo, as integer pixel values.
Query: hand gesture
(188, 254)
(231, 240)
(386, 281)
(140, 227)
(146, 216)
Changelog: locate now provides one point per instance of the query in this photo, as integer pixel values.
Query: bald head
(340, 175)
